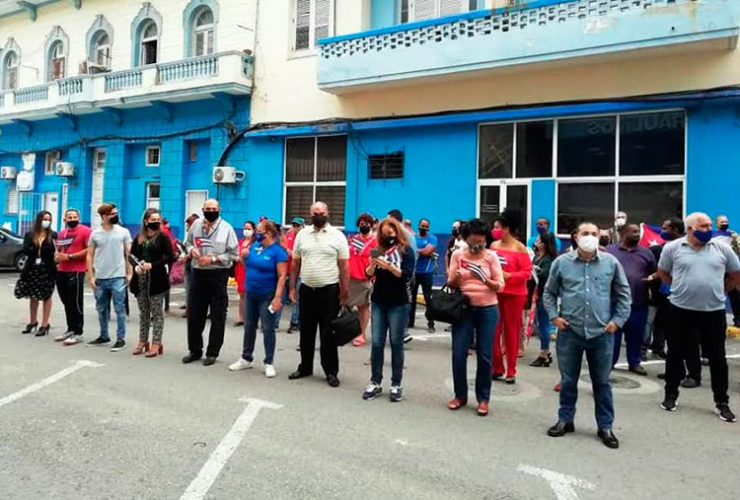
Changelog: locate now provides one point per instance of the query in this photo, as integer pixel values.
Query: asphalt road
(123, 427)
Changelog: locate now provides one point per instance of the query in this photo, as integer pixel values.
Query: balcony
(178, 81)
(542, 32)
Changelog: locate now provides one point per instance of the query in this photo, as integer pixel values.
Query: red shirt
(72, 241)
(289, 239)
(239, 272)
(519, 267)
(359, 255)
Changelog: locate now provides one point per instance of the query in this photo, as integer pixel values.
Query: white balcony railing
(228, 70)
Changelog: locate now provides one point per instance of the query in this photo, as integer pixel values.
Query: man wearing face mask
(594, 303)
(321, 258)
(213, 247)
(699, 271)
(109, 272)
(543, 226)
(71, 266)
(639, 265)
(426, 244)
(360, 285)
(615, 233)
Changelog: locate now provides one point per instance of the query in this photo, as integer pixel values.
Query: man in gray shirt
(595, 303)
(109, 272)
(699, 271)
(213, 247)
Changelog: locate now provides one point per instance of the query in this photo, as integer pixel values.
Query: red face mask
(497, 234)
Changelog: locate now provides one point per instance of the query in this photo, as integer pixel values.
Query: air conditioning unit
(65, 169)
(8, 173)
(25, 181)
(95, 68)
(227, 175)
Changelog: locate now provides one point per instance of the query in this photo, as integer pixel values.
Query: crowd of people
(609, 285)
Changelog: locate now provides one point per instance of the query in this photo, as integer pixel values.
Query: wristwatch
(69, 256)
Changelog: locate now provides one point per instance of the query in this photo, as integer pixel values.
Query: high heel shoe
(155, 349)
(44, 330)
(540, 361)
(140, 348)
(30, 328)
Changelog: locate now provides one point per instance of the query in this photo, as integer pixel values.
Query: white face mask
(621, 221)
(46, 224)
(588, 244)
(248, 233)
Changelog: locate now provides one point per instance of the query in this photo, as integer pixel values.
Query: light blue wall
(383, 13)
(543, 204)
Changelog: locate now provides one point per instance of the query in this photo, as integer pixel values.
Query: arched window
(101, 49)
(10, 71)
(203, 32)
(57, 61)
(149, 44)
(99, 43)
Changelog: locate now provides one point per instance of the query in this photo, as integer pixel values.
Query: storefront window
(495, 151)
(591, 202)
(652, 144)
(534, 149)
(651, 202)
(587, 147)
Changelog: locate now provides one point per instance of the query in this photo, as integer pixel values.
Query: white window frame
(12, 200)
(410, 5)
(102, 49)
(615, 179)
(99, 159)
(312, 183)
(149, 198)
(151, 149)
(208, 31)
(50, 161)
(143, 41)
(57, 56)
(312, 44)
(8, 69)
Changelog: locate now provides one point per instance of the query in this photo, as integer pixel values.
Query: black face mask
(723, 227)
(114, 220)
(318, 220)
(423, 232)
(211, 216)
(455, 232)
(154, 226)
(632, 241)
(389, 241)
(364, 229)
(73, 224)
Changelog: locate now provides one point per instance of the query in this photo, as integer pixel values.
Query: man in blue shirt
(595, 303)
(426, 244)
(543, 226)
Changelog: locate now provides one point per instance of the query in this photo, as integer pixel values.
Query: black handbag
(447, 305)
(346, 326)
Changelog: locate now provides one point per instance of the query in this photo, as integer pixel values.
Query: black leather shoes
(561, 429)
(609, 439)
(209, 361)
(190, 358)
(298, 374)
(332, 380)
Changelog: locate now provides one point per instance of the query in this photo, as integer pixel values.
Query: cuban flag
(394, 256)
(357, 245)
(649, 237)
(475, 269)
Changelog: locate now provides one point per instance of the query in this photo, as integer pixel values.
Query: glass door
(494, 196)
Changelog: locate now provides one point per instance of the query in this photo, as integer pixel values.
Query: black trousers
(689, 330)
(317, 307)
(425, 281)
(207, 290)
(734, 296)
(70, 287)
(660, 326)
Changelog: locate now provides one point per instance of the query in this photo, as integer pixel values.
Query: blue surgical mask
(703, 236)
(541, 230)
(667, 235)
(259, 237)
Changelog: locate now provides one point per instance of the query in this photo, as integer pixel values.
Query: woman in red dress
(244, 243)
(516, 265)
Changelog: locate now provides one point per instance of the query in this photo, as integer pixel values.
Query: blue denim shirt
(592, 293)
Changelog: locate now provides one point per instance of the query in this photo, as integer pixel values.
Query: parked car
(11, 250)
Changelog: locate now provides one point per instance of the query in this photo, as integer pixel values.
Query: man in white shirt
(321, 259)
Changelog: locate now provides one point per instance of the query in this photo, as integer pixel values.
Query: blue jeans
(543, 324)
(599, 351)
(481, 321)
(106, 289)
(391, 320)
(295, 314)
(256, 309)
(634, 332)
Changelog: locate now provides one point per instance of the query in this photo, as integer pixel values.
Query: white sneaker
(270, 371)
(64, 336)
(74, 339)
(240, 364)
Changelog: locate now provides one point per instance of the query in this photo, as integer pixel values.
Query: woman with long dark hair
(151, 252)
(37, 278)
(517, 267)
(546, 251)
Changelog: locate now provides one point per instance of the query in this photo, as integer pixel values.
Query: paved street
(124, 427)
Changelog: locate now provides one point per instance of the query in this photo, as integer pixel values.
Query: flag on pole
(649, 237)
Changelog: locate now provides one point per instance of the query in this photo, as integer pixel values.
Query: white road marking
(212, 468)
(48, 381)
(563, 485)
(662, 361)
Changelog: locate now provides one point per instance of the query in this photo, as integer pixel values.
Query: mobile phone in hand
(375, 253)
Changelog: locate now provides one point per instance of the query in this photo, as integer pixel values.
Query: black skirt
(36, 284)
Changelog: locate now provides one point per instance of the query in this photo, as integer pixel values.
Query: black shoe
(332, 380)
(44, 330)
(407, 338)
(510, 380)
(670, 403)
(298, 374)
(430, 328)
(638, 370)
(209, 361)
(99, 341)
(643, 357)
(690, 383)
(540, 361)
(30, 328)
(119, 345)
(561, 429)
(292, 328)
(497, 376)
(724, 413)
(659, 354)
(608, 438)
(191, 356)
(704, 361)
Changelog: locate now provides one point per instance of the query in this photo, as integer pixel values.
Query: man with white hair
(213, 247)
(695, 267)
(321, 259)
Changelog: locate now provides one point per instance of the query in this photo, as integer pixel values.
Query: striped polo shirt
(319, 251)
